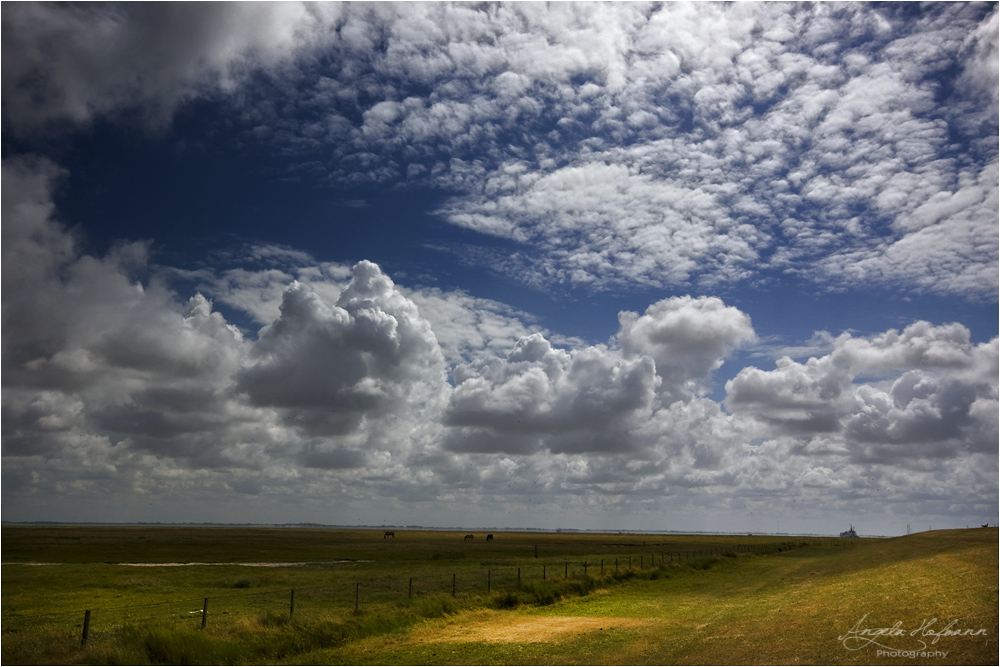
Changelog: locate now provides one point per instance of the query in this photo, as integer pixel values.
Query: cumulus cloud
(687, 337)
(327, 366)
(98, 350)
(566, 401)
(892, 398)
(596, 398)
(106, 366)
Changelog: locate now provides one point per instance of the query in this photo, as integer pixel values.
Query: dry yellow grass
(507, 629)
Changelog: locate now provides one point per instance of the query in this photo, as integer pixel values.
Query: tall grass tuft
(543, 592)
(508, 600)
(184, 646)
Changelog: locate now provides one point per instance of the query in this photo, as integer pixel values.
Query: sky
(624, 266)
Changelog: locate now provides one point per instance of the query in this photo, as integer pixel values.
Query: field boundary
(373, 593)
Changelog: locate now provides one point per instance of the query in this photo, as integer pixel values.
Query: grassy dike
(796, 606)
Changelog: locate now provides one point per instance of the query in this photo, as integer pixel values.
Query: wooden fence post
(452, 585)
(488, 576)
(86, 628)
(357, 596)
(411, 588)
(204, 614)
(291, 607)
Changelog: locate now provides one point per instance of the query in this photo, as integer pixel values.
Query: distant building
(849, 533)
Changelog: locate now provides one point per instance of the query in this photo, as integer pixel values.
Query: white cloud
(105, 366)
(603, 400)
(566, 401)
(897, 397)
(75, 62)
(682, 144)
(688, 144)
(618, 144)
(603, 223)
(467, 326)
(326, 367)
(688, 338)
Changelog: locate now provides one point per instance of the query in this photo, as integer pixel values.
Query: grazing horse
(985, 525)
(489, 538)
(470, 536)
(389, 533)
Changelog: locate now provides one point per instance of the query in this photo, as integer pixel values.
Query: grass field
(524, 598)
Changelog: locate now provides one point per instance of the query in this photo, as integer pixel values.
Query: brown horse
(389, 533)
(470, 536)
(489, 538)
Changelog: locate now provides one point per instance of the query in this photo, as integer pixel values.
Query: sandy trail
(527, 630)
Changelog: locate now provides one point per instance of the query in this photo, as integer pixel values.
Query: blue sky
(625, 265)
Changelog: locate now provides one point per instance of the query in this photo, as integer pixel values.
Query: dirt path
(526, 630)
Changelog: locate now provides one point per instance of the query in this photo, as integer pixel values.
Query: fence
(200, 612)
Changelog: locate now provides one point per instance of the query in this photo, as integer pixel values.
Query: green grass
(762, 607)
(788, 608)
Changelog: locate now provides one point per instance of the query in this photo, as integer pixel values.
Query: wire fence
(366, 592)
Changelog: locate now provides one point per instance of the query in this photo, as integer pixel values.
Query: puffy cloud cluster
(326, 367)
(117, 388)
(687, 338)
(123, 386)
(543, 397)
(596, 398)
(94, 357)
(893, 398)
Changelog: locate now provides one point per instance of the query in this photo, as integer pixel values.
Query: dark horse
(470, 536)
(489, 538)
(389, 533)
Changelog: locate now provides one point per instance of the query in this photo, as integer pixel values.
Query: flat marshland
(318, 596)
